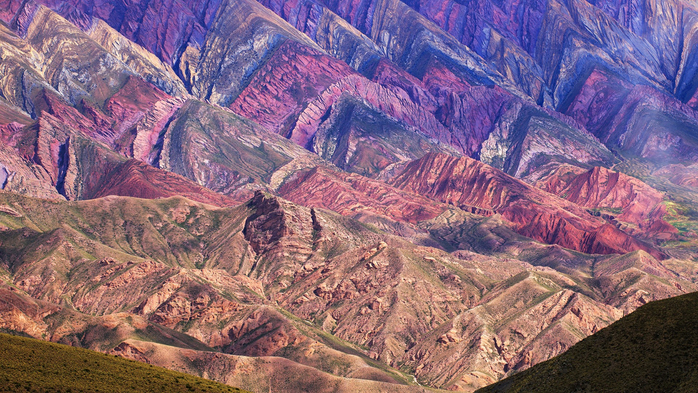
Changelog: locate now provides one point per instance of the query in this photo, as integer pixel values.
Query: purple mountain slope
(344, 195)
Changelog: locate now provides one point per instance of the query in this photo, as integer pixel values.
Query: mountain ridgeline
(339, 196)
(32, 365)
(650, 350)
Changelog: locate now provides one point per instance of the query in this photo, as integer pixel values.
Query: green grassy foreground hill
(30, 365)
(654, 349)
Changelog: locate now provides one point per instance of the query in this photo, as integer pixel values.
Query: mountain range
(334, 195)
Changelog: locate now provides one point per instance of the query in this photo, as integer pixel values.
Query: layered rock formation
(446, 101)
(602, 189)
(354, 195)
(635, 119)
(286, 83)
(137, 179)
(467, 183)
(226, 276)
(379, 193)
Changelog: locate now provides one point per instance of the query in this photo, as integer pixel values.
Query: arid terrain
(341, 196)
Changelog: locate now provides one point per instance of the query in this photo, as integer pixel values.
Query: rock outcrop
(137, 179)
(602, 189)
(293, 76)
(355, 195)
(270, 278)
(638, 120)
(466, 182)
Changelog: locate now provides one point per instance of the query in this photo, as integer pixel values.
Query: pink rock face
(295, 90)
(393, 102)
(131, 102)
(10, 132)
(470, 112)
(443, 105)
(8, 9)
(350, 194)
(533, 213)
(390, 75)
(295, 75)
(138, 113)
(137, 179)
(601, 188)
(97, 126)
(137, 105)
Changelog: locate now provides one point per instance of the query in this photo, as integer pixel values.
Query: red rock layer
(137, 101)
(602, 188)
(294, 91)
(534, 213)
(278, 92)
(50, 103)
(9, 132)
(131, 101)
(392, 102)
(390, 75)
(137, 179)
(350, 194)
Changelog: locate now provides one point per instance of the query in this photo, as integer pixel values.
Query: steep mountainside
(638, 205)
(332, 195)
(472, 185)
(31, 365)
(554, 52)
(649, 350)
(228, 278)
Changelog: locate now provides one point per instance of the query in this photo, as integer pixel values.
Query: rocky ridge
(459, 271)
(319, 266)
(465, 182)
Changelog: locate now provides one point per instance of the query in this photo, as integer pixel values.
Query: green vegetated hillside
(654, 349)
(30, 365)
